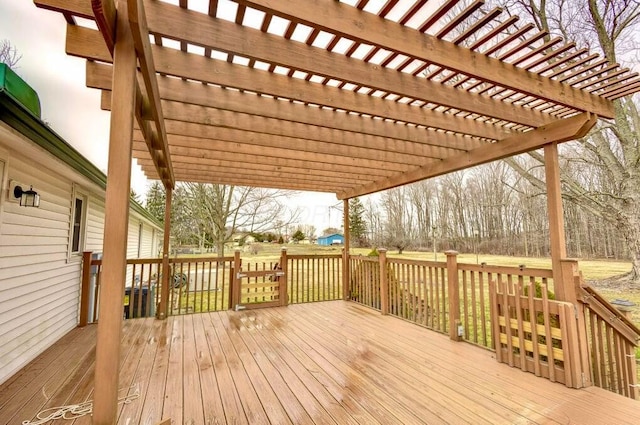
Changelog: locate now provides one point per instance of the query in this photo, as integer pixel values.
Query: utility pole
(435, 255)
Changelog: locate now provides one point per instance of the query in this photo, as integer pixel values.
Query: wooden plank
(85, 388)
(362, 27)
(133, 412)
(503, 385)
(317, 402)
(279, 402)
(330, 356)
(87, 43)
(191, 383)
(173, 405)
(547, 327)
(213, 409)
(140, 32)
(36, 369)
(222, 365)
(30, 395)
(115, 226)
(253, 407)
(217, 34)
(392, 374)
(187, 93)
(370, 397)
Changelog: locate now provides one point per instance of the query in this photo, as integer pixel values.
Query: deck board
(323, 363)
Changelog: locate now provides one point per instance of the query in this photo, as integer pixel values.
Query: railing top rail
(609, 313)
(130, 261)
(200, 260)
(440, 264)
(312, 256)
(525, 271)
(364, 258)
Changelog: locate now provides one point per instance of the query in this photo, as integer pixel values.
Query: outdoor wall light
(28, 198)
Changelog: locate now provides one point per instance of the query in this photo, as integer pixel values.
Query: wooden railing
(418, 292)
(195, 285)
(474, 279)
(199, 285)
(364, 282)
(314, 278)
(535, 334)
(213, 283)
(612, 340)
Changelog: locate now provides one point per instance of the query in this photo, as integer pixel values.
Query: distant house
(41, 248)
(243, 238)
(335, 239)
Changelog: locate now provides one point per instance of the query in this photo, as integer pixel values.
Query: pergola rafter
(419, 85)
(348, 97)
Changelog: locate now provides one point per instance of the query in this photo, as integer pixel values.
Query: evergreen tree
(298, 236)
(357, 225)
(155, 202)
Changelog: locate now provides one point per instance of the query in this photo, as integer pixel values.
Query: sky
(73, 110)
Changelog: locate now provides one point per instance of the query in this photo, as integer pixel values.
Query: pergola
(349, 97)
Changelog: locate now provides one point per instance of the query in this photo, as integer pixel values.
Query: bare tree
(613, 148)
(398, 225)
(9, 54)
(221, 210)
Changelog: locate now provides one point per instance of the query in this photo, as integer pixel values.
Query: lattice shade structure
(349, 97)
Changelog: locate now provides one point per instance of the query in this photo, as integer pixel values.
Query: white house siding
(94, 225)
(39, 288)
(39, 282)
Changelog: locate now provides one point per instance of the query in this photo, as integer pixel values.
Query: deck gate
(535, 333)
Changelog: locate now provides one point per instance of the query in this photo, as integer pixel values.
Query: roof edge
(25, 122)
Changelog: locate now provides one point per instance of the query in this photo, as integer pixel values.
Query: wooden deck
(323, 363)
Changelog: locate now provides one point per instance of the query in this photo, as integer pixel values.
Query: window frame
(77, 194)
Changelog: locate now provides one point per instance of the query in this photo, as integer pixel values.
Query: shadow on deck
(330, 362)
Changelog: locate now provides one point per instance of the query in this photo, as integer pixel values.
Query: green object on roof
(19, 90)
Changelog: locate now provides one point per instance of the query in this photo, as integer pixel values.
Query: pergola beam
(263, 169)
(558, 131)
(265, 141)
(197, 146)
(353, 24)
(173, 21)
(192, 120)
(137, 21)
(87, 43)
(191, 93)
(213, 158)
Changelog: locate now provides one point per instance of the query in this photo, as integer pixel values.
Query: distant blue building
(335, 239)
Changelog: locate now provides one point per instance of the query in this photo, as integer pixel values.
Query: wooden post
(345, 252)
(384, 282)
(236, 291)
(283, 280)
(163, 309)
(571, 277)
(556, 219)
(454, 294)
(85, 296)
(117, 197)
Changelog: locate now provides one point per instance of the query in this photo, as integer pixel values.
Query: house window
(139, 240)
(78, 223)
